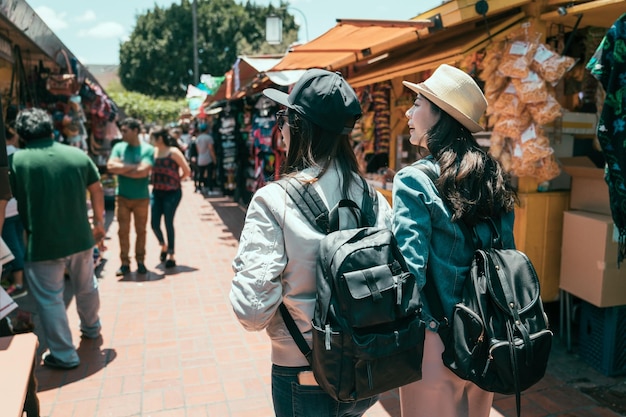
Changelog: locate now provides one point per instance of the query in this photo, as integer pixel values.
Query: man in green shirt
(50, 183)
(132, 160)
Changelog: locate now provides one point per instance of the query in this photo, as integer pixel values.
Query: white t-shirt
(203, 142)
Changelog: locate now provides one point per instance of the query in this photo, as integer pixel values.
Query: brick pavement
(171, 346)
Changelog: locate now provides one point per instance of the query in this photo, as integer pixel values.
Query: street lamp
(274, 27)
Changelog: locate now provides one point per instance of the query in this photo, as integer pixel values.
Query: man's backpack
(499, 336)
(368, 334)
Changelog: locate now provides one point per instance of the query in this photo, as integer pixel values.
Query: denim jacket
(427, 236)
(276, 262)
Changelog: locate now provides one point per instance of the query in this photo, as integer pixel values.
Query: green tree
(157, 60)
(148, 109)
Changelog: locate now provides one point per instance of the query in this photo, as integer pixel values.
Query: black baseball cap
(323, 98)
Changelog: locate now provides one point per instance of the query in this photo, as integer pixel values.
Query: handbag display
(63, 84)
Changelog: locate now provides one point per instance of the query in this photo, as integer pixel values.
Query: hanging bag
(63, 84)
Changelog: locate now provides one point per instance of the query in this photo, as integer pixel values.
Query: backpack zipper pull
(399, 283)
(328, 332)
(397, 334)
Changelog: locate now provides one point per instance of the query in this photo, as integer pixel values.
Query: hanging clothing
(608, 66)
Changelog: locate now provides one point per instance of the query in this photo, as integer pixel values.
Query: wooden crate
(538, 232)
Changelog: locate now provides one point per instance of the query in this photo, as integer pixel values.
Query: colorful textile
(608, 66)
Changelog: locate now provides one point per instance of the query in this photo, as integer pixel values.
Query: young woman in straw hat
(471, 188)
(278, 248)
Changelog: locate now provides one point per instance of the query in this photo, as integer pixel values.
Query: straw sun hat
(456, 93)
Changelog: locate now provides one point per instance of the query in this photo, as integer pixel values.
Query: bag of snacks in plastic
(513, 126)
(549, 65)
(547, 169)
(545, 112)
(508, 102)
(531, 89)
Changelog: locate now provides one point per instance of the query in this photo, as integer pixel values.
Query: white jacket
(276, 262)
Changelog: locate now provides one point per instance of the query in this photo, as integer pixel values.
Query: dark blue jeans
(164, 204)
(294, 400)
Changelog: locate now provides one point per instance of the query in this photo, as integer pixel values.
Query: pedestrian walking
(206, 157)
(13, 231)
(275, 261)
(472, 188)
(131, 160)
(170, 167)
(50, 182)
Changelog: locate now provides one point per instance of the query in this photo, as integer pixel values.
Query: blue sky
(93, 30)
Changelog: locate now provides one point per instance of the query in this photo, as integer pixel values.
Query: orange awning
(351, 41)
(599, 13)
(434, 51)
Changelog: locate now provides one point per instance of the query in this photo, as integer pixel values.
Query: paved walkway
(171, 346)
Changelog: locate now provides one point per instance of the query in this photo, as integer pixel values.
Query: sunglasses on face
(281, 118)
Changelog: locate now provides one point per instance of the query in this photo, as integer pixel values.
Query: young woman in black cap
(471, 188)
(278, 247)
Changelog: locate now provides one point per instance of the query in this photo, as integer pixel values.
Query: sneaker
(163, 256)
(52, 362)
(16, 292)
(124, 269)
(141, 268)
(170, 263)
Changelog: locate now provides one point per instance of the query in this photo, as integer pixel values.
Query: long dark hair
(164, 134)
(312, 146)
(472, 183)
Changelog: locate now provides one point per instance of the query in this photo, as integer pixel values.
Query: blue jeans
(46, 283)
(164, 204)
(294, 400)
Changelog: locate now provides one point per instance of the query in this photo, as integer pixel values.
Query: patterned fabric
(608, 65)
(166, 174)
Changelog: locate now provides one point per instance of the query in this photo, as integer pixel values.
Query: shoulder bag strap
(295, 332)
(313, 208)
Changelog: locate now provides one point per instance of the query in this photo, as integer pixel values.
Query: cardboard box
(589, 190)
(589, 260)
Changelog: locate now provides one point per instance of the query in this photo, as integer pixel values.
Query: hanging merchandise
(263, 123)
(227, 150)
(63, 84)
(380, 102)
(520, 75)
(74, 124)
(20, 86)
(363, 130)
(248, 158)
(608, 66)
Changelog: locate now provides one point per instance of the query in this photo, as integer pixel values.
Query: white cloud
(88, 16)
(55, 21)
(104, 30)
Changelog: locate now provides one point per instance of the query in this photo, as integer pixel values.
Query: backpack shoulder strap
(369, 203)
(313, 207)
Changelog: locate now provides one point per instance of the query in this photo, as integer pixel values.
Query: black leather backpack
(368, 334)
